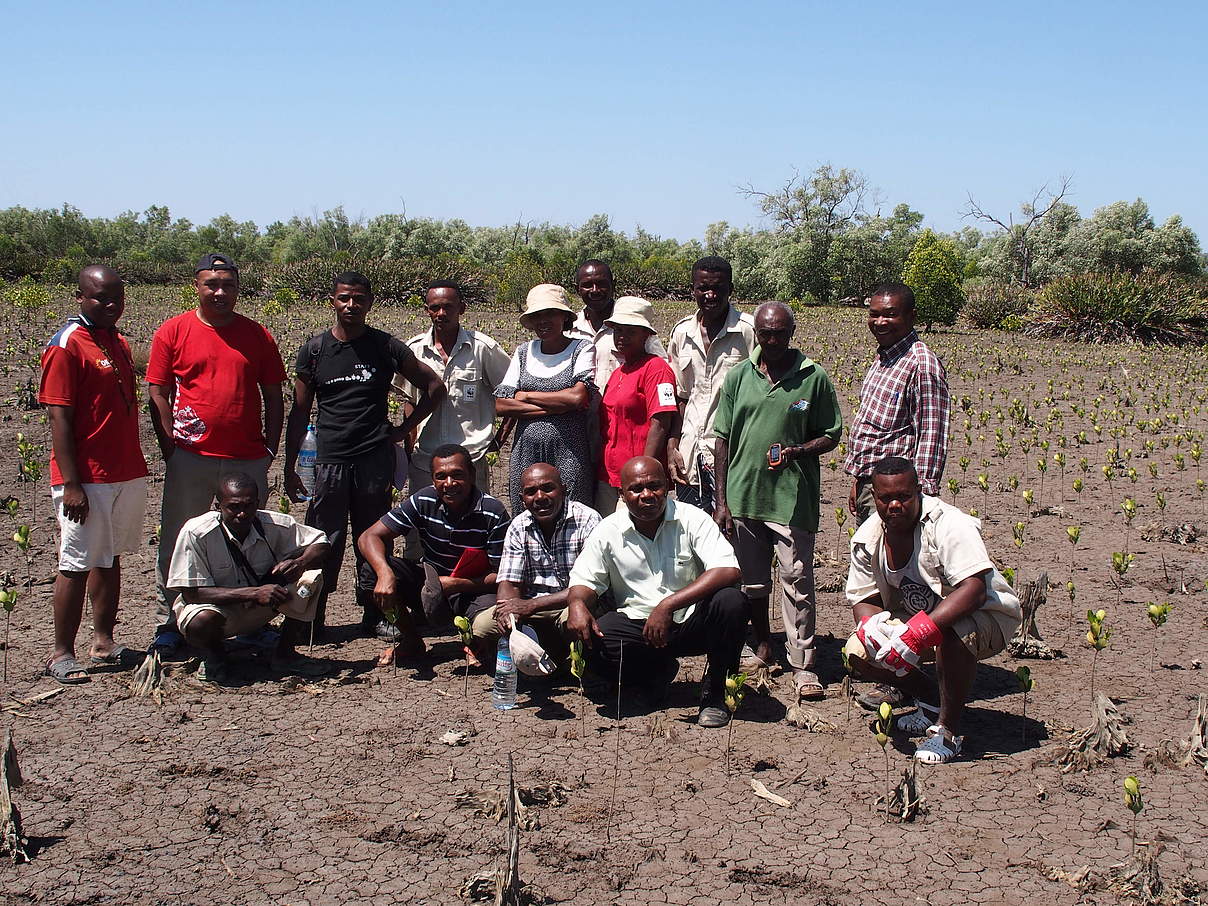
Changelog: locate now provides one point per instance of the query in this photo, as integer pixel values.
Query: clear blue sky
(652, 113)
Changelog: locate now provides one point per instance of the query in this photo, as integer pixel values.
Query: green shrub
(28, 294)
(989, 303)
(934, 271)
(392, 279)
(1107, 308)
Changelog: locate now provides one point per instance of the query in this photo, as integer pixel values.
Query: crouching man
(237, 568)
(672, 575)
(920, 582)
(541, 546)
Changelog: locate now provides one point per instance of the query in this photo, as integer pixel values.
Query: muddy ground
(333, 785)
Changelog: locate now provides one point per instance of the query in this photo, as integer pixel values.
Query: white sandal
(940, 746)
(918, 722)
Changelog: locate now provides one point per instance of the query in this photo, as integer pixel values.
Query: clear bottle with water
(307, 454)
(503, 693)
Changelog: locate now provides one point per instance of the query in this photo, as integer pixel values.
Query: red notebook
(473, 563)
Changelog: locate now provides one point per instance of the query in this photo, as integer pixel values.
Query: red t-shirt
(78, 372)
(634, 394)
(217, 373)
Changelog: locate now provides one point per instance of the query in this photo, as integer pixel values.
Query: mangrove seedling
(467, 642)
(1098, 637)
(1134, 803)
(1157, 614)
(1026, 684)
(735, 692)
(882, 727)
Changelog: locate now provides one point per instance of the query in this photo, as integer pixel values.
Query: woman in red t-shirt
(639, 402)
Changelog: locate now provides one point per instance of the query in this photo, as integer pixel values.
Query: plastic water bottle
(503, 694)
(307, 453)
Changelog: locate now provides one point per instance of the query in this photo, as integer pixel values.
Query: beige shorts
(984, 632)
(240, 619)
(114, 525)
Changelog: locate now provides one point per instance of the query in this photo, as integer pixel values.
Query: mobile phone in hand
(775, 455)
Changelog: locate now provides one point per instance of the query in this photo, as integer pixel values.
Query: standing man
(595, 286)
(472, 365)
(210, 372)
(349, 369)
(672, 575)
(777, 414)
(704, 348)
(97, 471)
(903, 401)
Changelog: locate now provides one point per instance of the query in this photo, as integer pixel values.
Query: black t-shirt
(351, 382)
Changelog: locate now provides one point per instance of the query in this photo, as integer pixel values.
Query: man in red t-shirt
(97, 471)
(208, 372)
(638, 406)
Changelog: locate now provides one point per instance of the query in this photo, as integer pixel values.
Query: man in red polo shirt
(97, 471)
(208, 373)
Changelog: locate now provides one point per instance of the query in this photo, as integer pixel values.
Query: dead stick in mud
(616, 759)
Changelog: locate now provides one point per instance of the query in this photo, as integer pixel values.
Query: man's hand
(658, 625)
(270, 595)
(384, 592)
(787, 455)
(288, 570)
(516, 607)
(676, 470)
(725, 522)
(75, 502)
(294, 488)
(907, 644)
(581, 624)
(851, 498)
(873, 635)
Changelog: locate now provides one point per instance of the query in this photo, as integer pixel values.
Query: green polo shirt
(752, 415)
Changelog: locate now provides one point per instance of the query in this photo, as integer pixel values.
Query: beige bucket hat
(545, 297)
(631, 311)
(527, 654)
(303, 596)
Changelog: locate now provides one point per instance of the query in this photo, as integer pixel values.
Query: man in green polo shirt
(777, 414)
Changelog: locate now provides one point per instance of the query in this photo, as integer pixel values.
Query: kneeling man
(673, 577)
(235, 569)
(541, 546)
(921, 580)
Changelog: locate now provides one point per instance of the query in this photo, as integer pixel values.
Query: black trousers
(355, 492)
(715, 629)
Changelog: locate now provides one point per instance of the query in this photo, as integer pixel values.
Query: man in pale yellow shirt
(704, 348)
(472, 364)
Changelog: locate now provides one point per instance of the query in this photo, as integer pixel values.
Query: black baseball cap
(215, 262)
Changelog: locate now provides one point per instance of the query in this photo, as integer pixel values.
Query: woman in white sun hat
(547, 390)
(639, 401)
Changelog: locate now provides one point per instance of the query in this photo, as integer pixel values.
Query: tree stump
(1104, 739)
(1028, 642)
(11, 839)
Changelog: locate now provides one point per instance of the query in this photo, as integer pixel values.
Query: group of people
(651, 488)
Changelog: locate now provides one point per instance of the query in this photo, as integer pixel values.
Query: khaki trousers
(754, 543)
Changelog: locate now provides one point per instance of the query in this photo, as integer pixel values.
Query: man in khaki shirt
(595, 286)
(472, 365)
(704, 348)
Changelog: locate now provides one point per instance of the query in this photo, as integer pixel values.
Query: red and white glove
(874, 635)
(907, 644)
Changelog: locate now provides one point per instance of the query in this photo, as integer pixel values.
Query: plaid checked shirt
(903, 412)
(539, 568)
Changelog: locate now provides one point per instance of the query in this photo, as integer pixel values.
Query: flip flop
(121, 656)
(809, 687)
(68, 671)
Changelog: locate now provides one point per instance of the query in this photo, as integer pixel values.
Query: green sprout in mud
(882, 727)
(1158, 614)
(1026, 685)
(1134, 803)
(467, 646)
(1098, 636)
(736, 691)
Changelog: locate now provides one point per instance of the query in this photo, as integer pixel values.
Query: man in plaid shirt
(903, 402)
(534, 572)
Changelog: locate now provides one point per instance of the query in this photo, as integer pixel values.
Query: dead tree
(1028, 642)
(1019, 234)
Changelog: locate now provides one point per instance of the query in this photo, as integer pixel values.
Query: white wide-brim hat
(631, 311)
(545, 297)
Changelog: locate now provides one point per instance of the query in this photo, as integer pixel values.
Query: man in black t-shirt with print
(349, 369)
